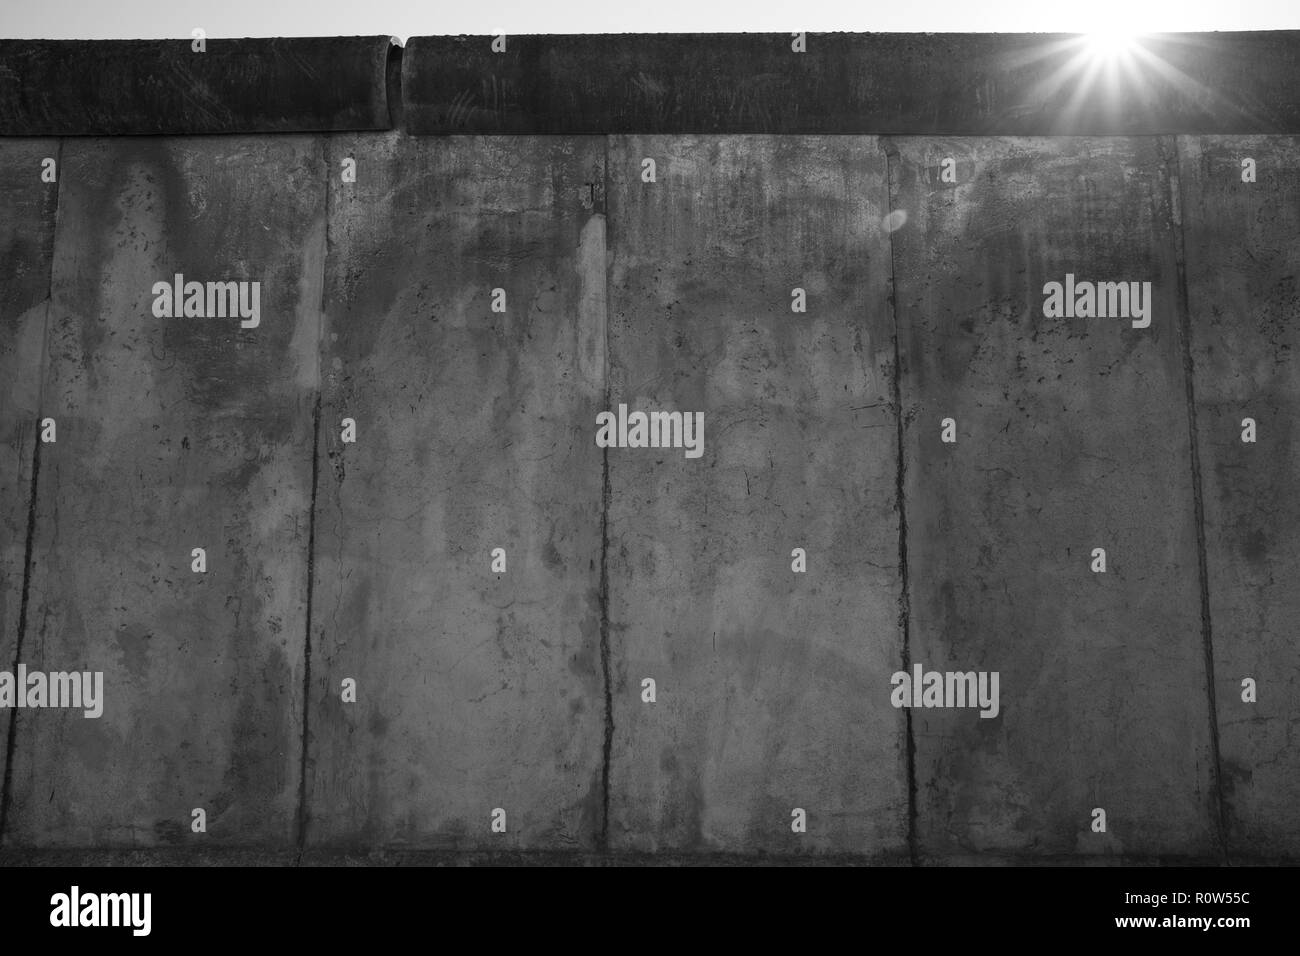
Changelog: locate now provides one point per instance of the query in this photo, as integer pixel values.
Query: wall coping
(984, 84)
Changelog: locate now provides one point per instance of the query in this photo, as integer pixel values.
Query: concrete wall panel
(174, 433)
(1243, 261)
(772, 686)
(476, 690)
(27, 213)
(1072, 434)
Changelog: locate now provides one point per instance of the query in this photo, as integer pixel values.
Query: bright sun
(1110, 44)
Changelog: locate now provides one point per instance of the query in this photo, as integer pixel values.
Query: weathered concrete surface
(772, 686)
(174, 433)
(114, 87)
(932, 83)
(475, 690)
(1243, 261)
(1008, 84)
(475, 431)
(1072, 434)
(27, 210)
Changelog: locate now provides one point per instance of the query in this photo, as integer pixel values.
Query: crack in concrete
(608, 744)
(900, 484)
(302, 814)
(301, 837)
(1170, 161)
(11, 741)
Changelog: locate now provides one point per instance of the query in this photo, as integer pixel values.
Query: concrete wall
(1242, 269)
(27, 209)
(174, 435)
(1071, 435)
(768, 681)
(371, 561)
(478, 690)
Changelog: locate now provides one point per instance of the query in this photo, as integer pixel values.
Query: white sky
(145, 19)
